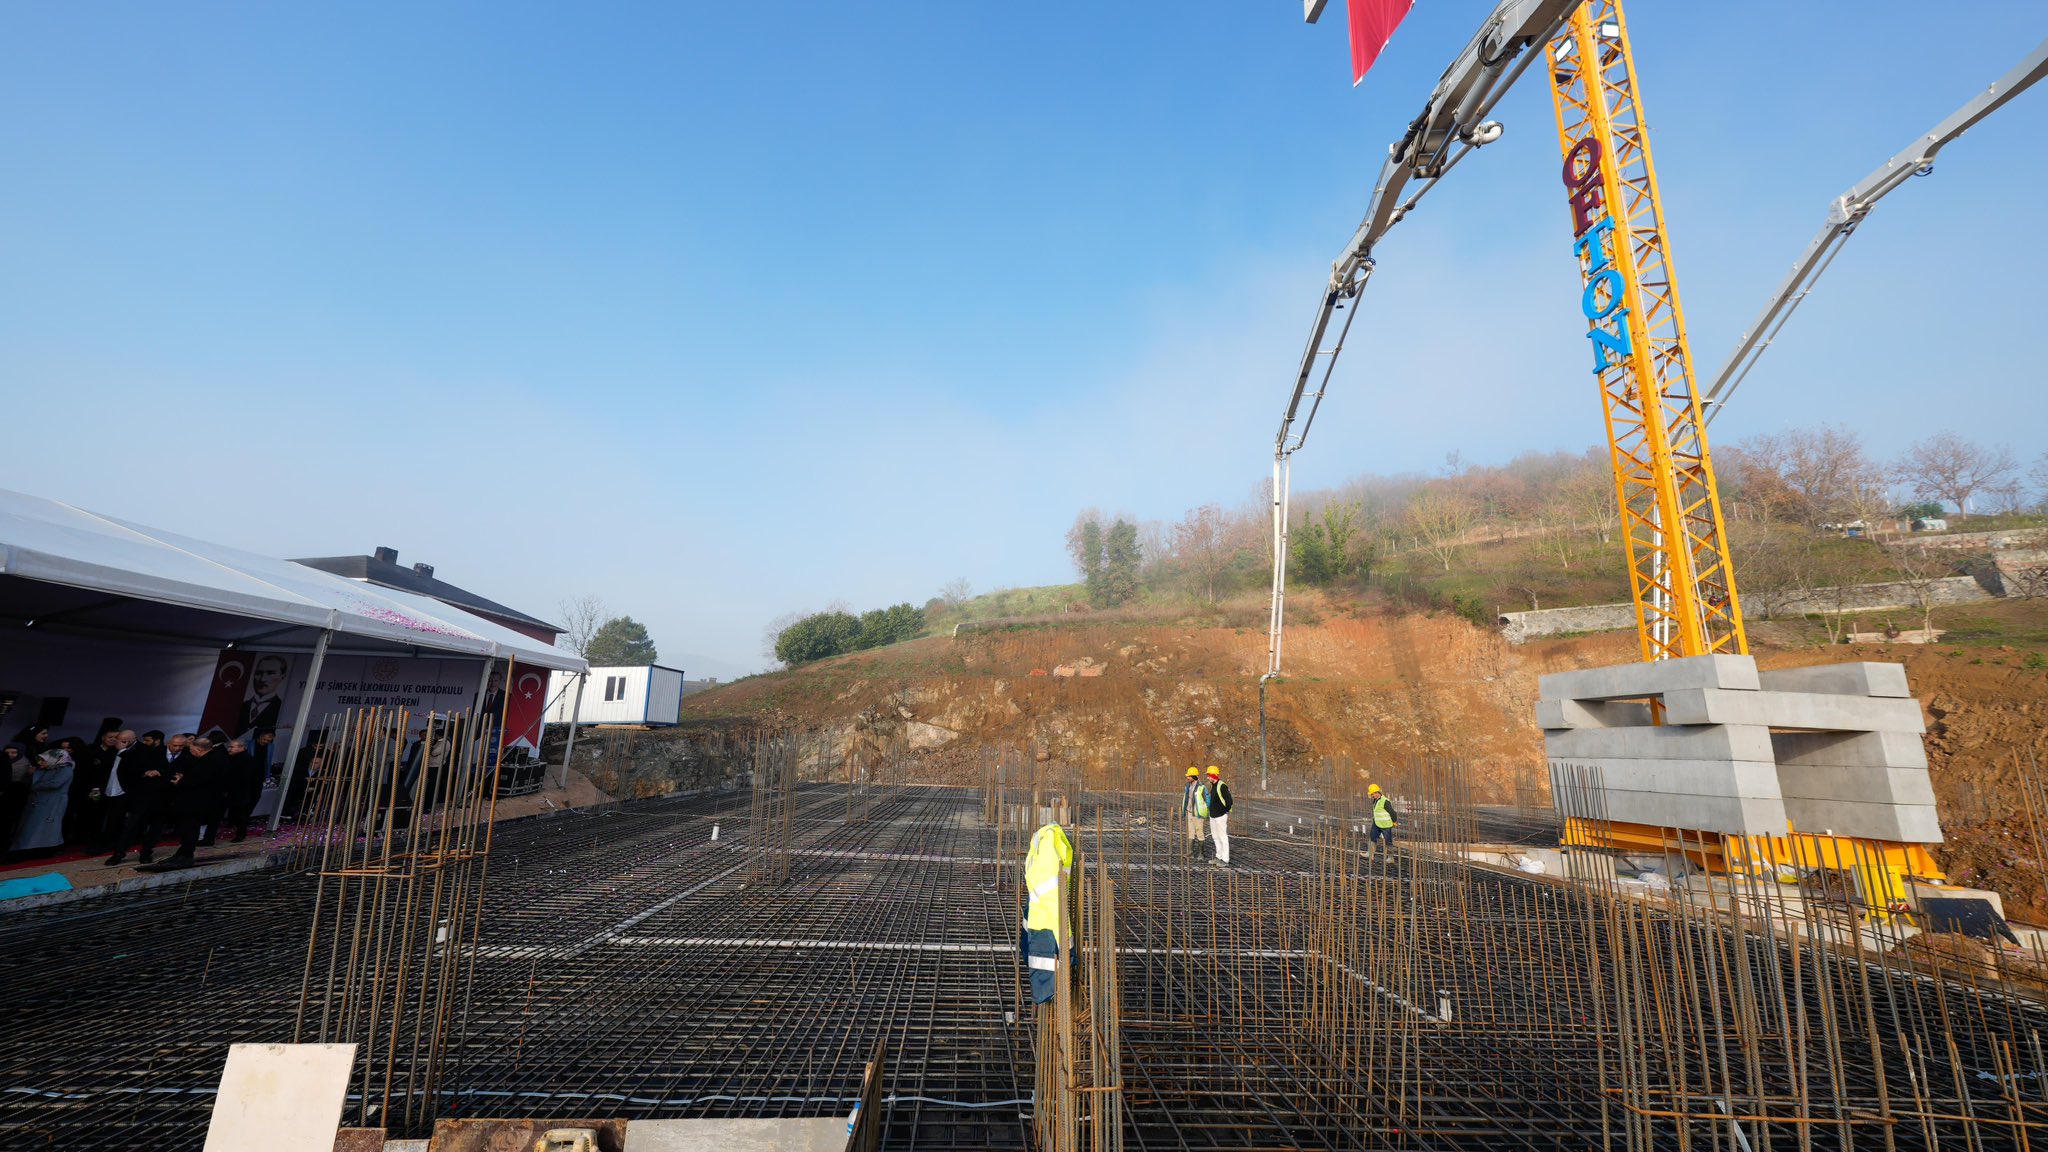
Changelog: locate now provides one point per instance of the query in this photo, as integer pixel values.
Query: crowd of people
(120, 792)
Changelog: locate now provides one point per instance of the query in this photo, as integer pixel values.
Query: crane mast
(1680, 574)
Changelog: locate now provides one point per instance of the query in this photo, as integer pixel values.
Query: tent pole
(291, 754)
(575, 714)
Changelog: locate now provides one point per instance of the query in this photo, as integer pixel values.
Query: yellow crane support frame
(1679, 571)
(1679, 567)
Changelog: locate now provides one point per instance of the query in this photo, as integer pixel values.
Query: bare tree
(1199, 543)
(1950, 469)
(1590, 493)
(2039, 475)
(956, 592)
(1816, 475)
(1921, 570)
(1835, 583)
(1560, 526)
(581, 618)
(1773, 563)
(1442, 518)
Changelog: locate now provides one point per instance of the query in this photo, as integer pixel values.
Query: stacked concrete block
(1828, 750)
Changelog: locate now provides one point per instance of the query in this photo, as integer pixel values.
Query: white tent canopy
(65, 568)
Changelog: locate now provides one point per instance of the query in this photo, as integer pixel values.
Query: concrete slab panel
(1670, 742)
(1857, 679)
(1688, 777)
(1625, 681)
(1868, 785)
(1591, 714)
(1808, 710)
(1850, 749)
(812, 1134)
(280, 1098)
(1737, 815)
(1905, 823)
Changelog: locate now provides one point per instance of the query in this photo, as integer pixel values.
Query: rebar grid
(628, 964)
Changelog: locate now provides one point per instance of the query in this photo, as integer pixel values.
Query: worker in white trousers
(1215, 803)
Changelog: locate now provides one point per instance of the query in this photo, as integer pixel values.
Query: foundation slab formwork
(1827, 751)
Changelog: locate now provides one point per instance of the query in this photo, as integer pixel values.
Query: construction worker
(1198, 827)
(1383, 820)
(1215, 803)
(1045, 884)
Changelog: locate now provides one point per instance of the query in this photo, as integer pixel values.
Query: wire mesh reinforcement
(628, 963)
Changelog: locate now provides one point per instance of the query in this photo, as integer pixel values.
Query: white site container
(634, 694)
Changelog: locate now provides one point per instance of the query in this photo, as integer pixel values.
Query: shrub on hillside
(826, 634)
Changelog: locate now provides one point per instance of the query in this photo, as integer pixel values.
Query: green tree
(817, 637)
(891, 625)
(1120, 560)
(620, 640)
(1326, 552)
(1084, 544)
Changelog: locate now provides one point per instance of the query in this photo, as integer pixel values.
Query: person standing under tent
(1198, 827)
(42, 823)
(196, 781)
(1383, 821)
(84, 809)
(146, 780)
(117, 794)
(1045, 883)
(1216, 804)
(244, 778)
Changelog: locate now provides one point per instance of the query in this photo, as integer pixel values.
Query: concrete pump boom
(1453, 122)
(1849, 209)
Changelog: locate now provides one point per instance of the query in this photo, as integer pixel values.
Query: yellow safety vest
(1382, 816)
(1050, 852)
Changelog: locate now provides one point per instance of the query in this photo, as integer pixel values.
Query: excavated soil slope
(1373, 687)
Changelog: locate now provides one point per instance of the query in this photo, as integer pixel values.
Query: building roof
(64, 568)
(385, 571)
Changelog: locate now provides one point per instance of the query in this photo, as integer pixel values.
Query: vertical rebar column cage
(1679, 568)
(402, 847)
(771, 829)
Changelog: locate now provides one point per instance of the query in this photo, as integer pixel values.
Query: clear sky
(725, 310)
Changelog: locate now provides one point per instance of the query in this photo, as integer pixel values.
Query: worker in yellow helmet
(1383, 821)
(1045, 887)
(1198, 826)
(1215, 803)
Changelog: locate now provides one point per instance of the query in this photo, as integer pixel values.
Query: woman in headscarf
(42, 824)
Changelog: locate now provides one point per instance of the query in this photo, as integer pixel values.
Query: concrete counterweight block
(1833, 749)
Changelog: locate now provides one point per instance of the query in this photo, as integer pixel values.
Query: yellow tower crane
(1681, 576)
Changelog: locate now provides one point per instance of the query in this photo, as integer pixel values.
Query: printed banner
(254, 690)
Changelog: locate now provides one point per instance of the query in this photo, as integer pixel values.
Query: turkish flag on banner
(525, 704)
(1372, 25)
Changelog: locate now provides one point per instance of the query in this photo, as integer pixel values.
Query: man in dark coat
(244, 788)
(197, 780)
(117, 790)
(146, 781)
(86, 812)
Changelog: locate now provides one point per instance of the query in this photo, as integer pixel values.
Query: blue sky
(722, 311)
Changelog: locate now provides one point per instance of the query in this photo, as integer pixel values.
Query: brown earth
(1364, 683)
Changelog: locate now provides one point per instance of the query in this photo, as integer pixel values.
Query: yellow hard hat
(1215, 771)
(1372, 790)
(1194, 772)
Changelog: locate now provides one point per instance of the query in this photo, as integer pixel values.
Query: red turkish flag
(1372, 25)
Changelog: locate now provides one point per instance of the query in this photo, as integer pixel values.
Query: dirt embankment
(1373, 687)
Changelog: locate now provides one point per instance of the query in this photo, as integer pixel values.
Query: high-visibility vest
(1050, 852)
(1382, 816)
(1202, 800)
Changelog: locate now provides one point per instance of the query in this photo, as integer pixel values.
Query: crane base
(1746, 771)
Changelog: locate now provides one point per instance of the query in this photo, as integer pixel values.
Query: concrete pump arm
(1849, 209)
(1453, 122)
